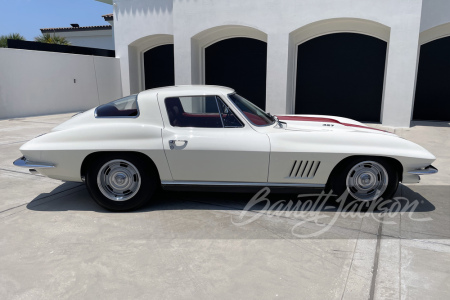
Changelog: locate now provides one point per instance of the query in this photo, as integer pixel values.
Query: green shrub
(11, 36)
(52, 39)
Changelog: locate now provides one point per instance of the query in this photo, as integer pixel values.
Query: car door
(204, 141)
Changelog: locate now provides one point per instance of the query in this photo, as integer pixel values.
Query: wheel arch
(397, 165)
(92, 156)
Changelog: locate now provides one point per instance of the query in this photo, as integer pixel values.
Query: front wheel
(120, 182)
(366, 179)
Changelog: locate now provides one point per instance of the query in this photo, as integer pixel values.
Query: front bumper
(24, 163)
(424, 171)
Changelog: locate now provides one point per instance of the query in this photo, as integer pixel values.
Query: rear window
(124, 107)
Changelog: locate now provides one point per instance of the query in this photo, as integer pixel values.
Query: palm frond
(12, 36)
(49, 38)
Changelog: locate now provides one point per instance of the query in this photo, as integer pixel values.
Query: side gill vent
(304, 169)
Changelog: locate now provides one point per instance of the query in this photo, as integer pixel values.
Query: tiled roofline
(84, 28)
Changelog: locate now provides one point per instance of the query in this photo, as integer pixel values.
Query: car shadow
(74, 197)
(430, 123)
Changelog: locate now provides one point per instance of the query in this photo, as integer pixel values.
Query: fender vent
(304, 169)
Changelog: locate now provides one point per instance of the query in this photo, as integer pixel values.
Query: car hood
(326, 123)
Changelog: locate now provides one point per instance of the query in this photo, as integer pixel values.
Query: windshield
(252, 112)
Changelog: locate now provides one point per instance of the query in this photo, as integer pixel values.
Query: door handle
(177, 144)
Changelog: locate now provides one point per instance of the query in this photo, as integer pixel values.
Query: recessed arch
(159, 68)
(341, 74)
(327, 27)
(234, 56)
(431, 91)
(136, 52)
(239, 63)
(434, 33)
(431, 99)
(203, 39)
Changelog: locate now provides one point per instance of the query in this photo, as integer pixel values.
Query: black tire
(338, 182)
(142, 195)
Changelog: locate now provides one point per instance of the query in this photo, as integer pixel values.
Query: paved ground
(56, 243)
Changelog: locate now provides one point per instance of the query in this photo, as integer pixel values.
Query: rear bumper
(425, 171)
(24, 163)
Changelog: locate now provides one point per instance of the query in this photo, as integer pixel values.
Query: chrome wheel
(367, 181)
(118, 180)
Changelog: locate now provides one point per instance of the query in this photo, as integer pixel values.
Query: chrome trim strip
(262, 184)
(234, 114)
(425, 171)
(24, 163)
(220, 113)
(80, 112)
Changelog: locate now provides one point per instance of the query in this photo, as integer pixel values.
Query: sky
(28, 16)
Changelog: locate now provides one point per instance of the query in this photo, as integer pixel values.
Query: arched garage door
(239, 63)
(432, 100)
(341, 74)
(159, 67)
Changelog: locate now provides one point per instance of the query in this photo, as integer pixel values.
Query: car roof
(190, 90)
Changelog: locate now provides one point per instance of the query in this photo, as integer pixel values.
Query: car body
(293, 151)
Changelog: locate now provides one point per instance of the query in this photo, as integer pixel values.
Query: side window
(193, 111)
(200, 111)
(124, 107)
(228, 117)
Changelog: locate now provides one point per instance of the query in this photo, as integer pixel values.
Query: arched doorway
(159, 67)
(432, 99)
(341, 74)
(136, 61)
(239, 63)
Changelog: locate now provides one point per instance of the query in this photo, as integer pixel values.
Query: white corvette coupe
(197, 137)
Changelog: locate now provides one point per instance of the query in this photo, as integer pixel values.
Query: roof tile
(78, 28)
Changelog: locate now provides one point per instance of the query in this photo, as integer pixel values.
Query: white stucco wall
(193, 23)
(434, 13)
(102, 39)
(435, 22)
(39, 83)
(134, 20)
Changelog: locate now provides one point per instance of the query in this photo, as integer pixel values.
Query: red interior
(210, 115)
(257, 120)
(178, 117)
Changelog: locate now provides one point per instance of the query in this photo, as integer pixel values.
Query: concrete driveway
(56, 243)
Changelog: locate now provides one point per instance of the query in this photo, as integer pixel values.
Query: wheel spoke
(118, 180)
(367, 180)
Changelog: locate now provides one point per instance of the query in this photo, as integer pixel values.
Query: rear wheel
(121, 182)
(366, 179)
